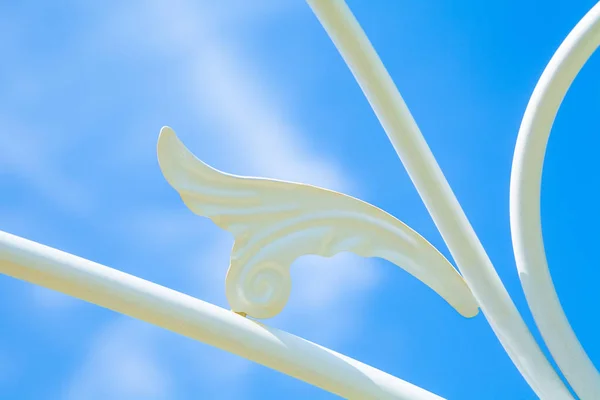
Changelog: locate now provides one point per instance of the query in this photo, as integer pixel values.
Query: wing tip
(460, 297)
(464, 302)
(468, 310)
(169, 149)
(167, 140)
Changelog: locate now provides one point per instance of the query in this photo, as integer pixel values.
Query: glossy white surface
(194, 318)
(525, 218)
(469, 254)
(275, 222)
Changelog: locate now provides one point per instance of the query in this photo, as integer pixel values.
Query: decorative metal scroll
(275, 222)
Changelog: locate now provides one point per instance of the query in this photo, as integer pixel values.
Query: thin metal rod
(196, 319)
(525, 217)
(466, 249)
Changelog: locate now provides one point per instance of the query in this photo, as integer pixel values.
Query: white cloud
(250, 120)
(50, 300)
(122, 364)
(129, 360)
(234, 101)
(249, 117)
(34, 158)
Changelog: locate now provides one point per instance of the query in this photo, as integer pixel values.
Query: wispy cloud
(33, 158)
(122, 364)
(242, 111)
(251, 121)
(245, 113)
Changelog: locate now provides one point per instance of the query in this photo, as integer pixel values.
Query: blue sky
(257, 88)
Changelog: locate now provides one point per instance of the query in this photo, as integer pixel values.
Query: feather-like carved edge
(198, 184)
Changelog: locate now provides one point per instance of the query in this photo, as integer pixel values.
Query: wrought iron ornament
(275, 222)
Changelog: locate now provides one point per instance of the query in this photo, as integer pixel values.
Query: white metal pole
(196, 319)
(525, 218)
(466, 249)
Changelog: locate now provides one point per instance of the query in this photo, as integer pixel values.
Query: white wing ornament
(275, 222)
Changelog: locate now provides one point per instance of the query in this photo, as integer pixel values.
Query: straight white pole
(466, 249)
(45, 266)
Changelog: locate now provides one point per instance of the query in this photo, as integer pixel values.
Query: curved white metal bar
(196, 319)
(469, 254)
(525, 217)
(275, 222)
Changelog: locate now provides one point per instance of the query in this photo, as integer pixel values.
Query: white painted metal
(275, 222)
(525, 215)
(177, 312)
(465, 247)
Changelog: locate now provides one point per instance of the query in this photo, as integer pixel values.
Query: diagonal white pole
(525, 218)
(196, 319)
(469, 254)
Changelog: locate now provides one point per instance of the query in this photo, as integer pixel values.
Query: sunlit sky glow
(256, 88)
